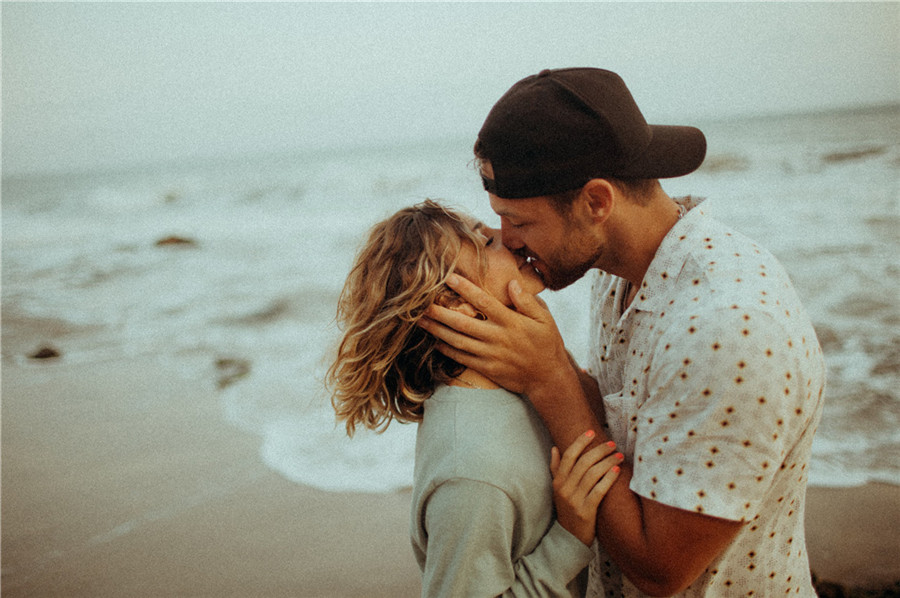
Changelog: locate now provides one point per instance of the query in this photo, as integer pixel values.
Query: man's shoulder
(709, 237)
(737, 315)
(724, 268)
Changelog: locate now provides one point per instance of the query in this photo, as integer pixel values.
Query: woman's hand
(580, 481)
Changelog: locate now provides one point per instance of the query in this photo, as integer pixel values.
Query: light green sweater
(482, 512)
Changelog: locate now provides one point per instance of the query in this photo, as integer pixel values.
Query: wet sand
(121, 478)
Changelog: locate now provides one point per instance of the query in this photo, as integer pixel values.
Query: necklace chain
(465, 382)
(462, 382)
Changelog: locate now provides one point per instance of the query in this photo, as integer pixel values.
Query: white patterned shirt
(712, 382)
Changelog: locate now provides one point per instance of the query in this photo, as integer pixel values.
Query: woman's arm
(581, 478)
(471, 526)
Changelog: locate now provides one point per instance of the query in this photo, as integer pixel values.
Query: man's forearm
(591, 391)
(660, 549)
(563, 405)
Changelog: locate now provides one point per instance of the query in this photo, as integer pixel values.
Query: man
(703, 362)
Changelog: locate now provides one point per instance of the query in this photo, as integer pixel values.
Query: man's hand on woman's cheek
(519, 349)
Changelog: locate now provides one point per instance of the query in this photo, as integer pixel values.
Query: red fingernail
(611, 444)
(589, 433)
(620, 456)
(616, 469)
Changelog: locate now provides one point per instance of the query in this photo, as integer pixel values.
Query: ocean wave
(854, 154)
(249, 306)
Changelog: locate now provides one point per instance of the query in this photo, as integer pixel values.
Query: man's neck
(643, 229)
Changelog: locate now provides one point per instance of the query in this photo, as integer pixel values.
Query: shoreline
(851, 536)
(121, 477)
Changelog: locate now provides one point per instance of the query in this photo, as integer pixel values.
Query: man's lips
(530, 264)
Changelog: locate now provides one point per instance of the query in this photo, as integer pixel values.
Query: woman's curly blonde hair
(386, 366)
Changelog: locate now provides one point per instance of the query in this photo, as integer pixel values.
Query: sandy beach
(122, 478)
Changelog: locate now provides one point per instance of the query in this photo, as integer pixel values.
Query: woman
(483, 498)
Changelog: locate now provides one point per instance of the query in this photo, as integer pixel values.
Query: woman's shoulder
(485, 435)
(445, 394)
(454, 407)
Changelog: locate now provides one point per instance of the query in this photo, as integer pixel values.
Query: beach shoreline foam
(248, 296)
(123, 477)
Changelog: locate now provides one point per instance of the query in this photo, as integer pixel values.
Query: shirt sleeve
(724, 407)
(471, 529)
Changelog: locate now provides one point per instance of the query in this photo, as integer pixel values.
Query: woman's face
(502, 266)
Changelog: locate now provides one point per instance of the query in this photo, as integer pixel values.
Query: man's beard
(559, 275)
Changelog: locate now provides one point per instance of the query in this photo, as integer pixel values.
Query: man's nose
(510, 240)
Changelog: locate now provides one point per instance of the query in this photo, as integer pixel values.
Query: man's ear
(599, 196)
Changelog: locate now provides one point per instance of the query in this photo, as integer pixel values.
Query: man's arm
(660, 548)
(591, 391)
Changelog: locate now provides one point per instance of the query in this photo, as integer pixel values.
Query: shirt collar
(670, 258)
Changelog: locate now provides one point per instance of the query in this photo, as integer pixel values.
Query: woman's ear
(451, 300)
(469, 310)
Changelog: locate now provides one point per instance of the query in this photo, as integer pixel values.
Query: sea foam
(270, 241)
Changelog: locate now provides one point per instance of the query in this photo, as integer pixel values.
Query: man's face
(501, 266)
(560, 247)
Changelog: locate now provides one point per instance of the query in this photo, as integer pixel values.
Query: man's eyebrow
(508, 215)
(504, 212)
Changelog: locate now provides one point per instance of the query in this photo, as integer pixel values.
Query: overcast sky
(97, 85)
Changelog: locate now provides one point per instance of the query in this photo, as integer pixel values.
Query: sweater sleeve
(471, 529)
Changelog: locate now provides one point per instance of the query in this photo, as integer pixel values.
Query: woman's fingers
(590, 467)
(581, 479)
(571, 455)
(598, 470)
(554, 461)
(599, 490)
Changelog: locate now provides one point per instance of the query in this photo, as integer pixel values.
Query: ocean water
(246, 301)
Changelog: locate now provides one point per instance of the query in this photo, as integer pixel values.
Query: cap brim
(673, 151)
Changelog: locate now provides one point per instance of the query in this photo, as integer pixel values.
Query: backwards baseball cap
(555, 131)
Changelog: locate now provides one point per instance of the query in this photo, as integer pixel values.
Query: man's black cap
(554, 131)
